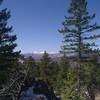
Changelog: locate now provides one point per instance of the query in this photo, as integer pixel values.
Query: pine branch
(91, 29)
(89, 44)
(66, 30)
(91, 37)
(71, 35)
(70, 40)
(89, 26)
(88, 17)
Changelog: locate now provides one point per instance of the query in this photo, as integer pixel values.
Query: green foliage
(68, 89)
(64, 65)
(67, 79)
(31, 64)
(3, 76)
(44, 65)
(8, 56)
(6, 98)
(48, 71)
(78, 42)
(76, 28)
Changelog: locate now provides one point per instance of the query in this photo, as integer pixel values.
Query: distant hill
(38, 56)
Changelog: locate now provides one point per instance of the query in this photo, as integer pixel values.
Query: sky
(36, 22)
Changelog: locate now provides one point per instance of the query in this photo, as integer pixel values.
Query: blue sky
(35, 22)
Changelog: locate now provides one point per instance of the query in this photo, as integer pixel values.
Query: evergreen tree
(68, 88)
(8, 55)
(49, 71)
(44, 65)
(78, 36)
(77, 28)
(64, 64)
(33, 69)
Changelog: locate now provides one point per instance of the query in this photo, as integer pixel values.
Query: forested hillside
(71, 74)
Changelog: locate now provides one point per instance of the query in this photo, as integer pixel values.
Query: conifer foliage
(76, 29)
(8, 55)
(79, 38)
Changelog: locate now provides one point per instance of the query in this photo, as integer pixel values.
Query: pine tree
(64, 64)
(78, 36)
(77, 29)
(8, 55)
(49, 70)
(44, 66)
(33, 68)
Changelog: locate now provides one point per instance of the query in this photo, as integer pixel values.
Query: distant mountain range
(38, 56)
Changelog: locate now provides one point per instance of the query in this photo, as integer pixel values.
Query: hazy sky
(36, 22)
